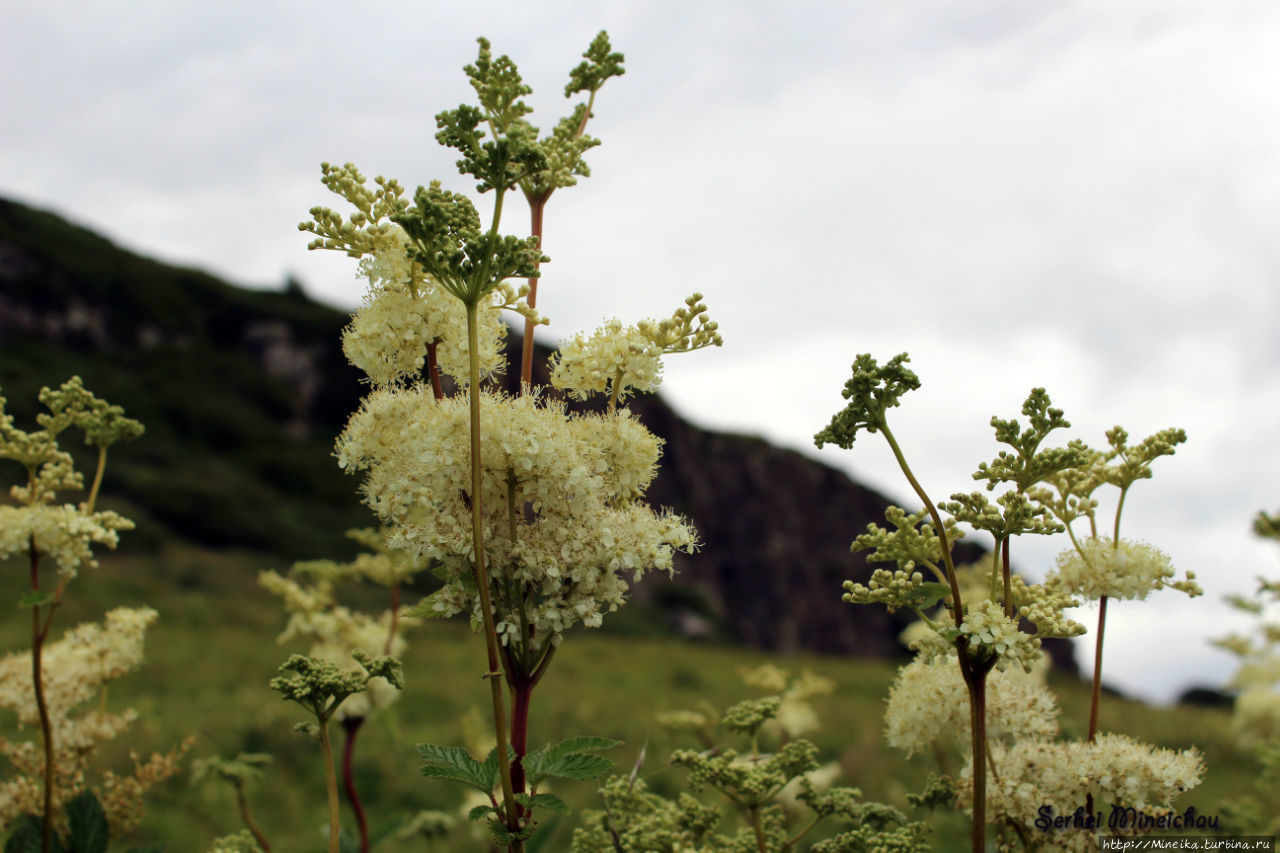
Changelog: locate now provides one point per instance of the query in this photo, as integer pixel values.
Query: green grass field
(213, 650)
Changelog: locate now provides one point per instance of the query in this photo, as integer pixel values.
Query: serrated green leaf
(88, 822)
(579, 765)
(550, 802)
(456, 764)
(34, 598)
(569, 759)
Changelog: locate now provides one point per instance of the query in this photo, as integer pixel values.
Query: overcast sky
(1076, 195)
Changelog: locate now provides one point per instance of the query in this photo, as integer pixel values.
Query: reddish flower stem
(351, 725)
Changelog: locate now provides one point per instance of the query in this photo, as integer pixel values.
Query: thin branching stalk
(97, 479)
(536, 207)
(242, 802)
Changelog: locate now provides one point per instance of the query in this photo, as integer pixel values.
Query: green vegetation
(218, 692)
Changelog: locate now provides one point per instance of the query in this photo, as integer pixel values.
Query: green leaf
(543, 801)
(503, 837)
(25, 837)
(34, 598)
(570, 759)
(928, 594)
(89, 832)
(481, 812)
(456, 764)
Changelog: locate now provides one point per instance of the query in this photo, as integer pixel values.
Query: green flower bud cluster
(370, 227)
(901, 588)
(871, 392)
(245, 767)
(911, 541)
(321, 687)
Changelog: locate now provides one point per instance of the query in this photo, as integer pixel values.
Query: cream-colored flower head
(582, 530)
(75, 666)
(1113, 770)
(991, 631)
(614, 359)
(404, 313)
(1131, 570)
(929, 703)
(64, 533)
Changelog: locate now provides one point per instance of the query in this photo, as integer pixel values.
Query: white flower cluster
(613, 359)
(74, 670)
(1115, 770)
(929, 703)
(1128, 570)
(990, 630)
(561, 514)
(75, 666)
(66, 533)
(404, 312)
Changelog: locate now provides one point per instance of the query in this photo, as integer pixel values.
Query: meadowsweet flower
(65, 533)
(404, 312)
(929, 702)
(559, 503)
(1114, 770)
(989, 630)
(614, 359)
(1130, 570)
(75, 669)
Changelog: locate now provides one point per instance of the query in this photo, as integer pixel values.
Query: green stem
(256, 831)
(97, 478)
(536, 207)
(939, 529)
(331, 785)
(482, 581)
(759, 829)
(1115, 537)
(46, 725)
(1008, 578)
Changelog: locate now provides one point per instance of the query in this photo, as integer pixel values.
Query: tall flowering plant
(980, 629)
(533, 517)
(49, 797)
